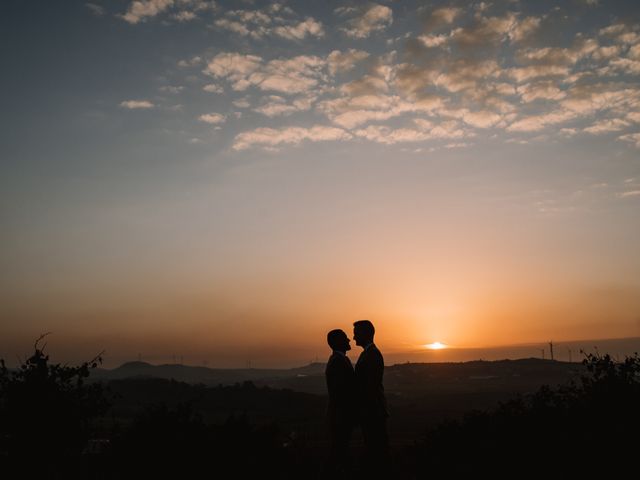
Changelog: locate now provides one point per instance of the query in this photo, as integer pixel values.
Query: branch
(39, 339)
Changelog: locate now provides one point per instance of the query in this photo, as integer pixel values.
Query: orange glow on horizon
(435, 346)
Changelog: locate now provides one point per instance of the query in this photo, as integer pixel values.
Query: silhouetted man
(340, 383)
(371, 404)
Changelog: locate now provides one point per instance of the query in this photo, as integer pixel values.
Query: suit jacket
(370, 399)
(340, 383)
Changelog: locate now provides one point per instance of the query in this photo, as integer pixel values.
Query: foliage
(45, 408)
(586, 427)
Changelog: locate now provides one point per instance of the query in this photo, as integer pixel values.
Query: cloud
(367, 84)
(559, 56)
(589, 99)
(97, 10)
(543, 90)
(603, 53)
(534, 123)
(174, 89)
(374, 19)
(213, 88)
(481, 119)
(388, 136)
(612, 30)
(136, 104)
(524, 74)
(139, 10)
(524, 28)
(234, 67)
(441, 17)
(452, 75)
(290, 76)
(191, 62)
(425, 131)
(185, 16)
(465, 74)
(431, 41)
(241, 103)
(629, 193)
(340, 62)
(258, 24)
(631, 137)
(607, 125)
(271, 137)
(634, 116)
(350, 112)
(626, 65)
(236, 27)
(309, 27)
(212, 118)
(491, 31)
(485, 31)
(276, 106)
(294, 75)
(634, 52)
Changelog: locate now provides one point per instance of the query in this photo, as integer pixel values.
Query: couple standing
(356, 397)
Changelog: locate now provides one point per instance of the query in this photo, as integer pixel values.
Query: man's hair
(365, 326)
(334, 336)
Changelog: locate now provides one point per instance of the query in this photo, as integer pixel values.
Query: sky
(227, 181)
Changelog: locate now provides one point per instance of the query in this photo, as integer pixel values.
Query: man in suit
(340, 384)
(370, 400)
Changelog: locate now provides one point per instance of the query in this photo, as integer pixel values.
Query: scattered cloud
(140, 10)
(631, 137)
(308, 27)
(487, 67)
(425, 131)
(174, 89)
(541, 90)
(258, 24)
(431, 41)
(185, 16)
(441, 17)
(136, 104)
(212, 118)
(629, 193)
(97, 10)
(241, 103)
(374, 18)
(290, 76)
(607, 126)
(191, 62)
(534, 123)
(271, 137)
(213, 88)
(341, 62)
(275, 105)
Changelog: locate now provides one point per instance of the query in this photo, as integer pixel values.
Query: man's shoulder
(371, 354)
(338, 361)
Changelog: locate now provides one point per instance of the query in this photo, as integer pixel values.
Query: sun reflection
(435, 346)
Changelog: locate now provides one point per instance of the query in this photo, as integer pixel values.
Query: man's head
(363, 332)
(338, 340)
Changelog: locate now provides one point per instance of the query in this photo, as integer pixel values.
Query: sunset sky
(230, 180)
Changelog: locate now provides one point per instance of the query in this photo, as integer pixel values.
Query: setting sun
(435, 346)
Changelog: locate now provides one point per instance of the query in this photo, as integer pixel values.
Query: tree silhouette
(46, 409)
(587, 427)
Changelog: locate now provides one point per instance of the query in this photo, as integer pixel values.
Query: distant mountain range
(399, 379)
(207, 376)
(563, 351)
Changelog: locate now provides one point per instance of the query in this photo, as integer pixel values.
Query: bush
(586, 427)
(46, 409)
